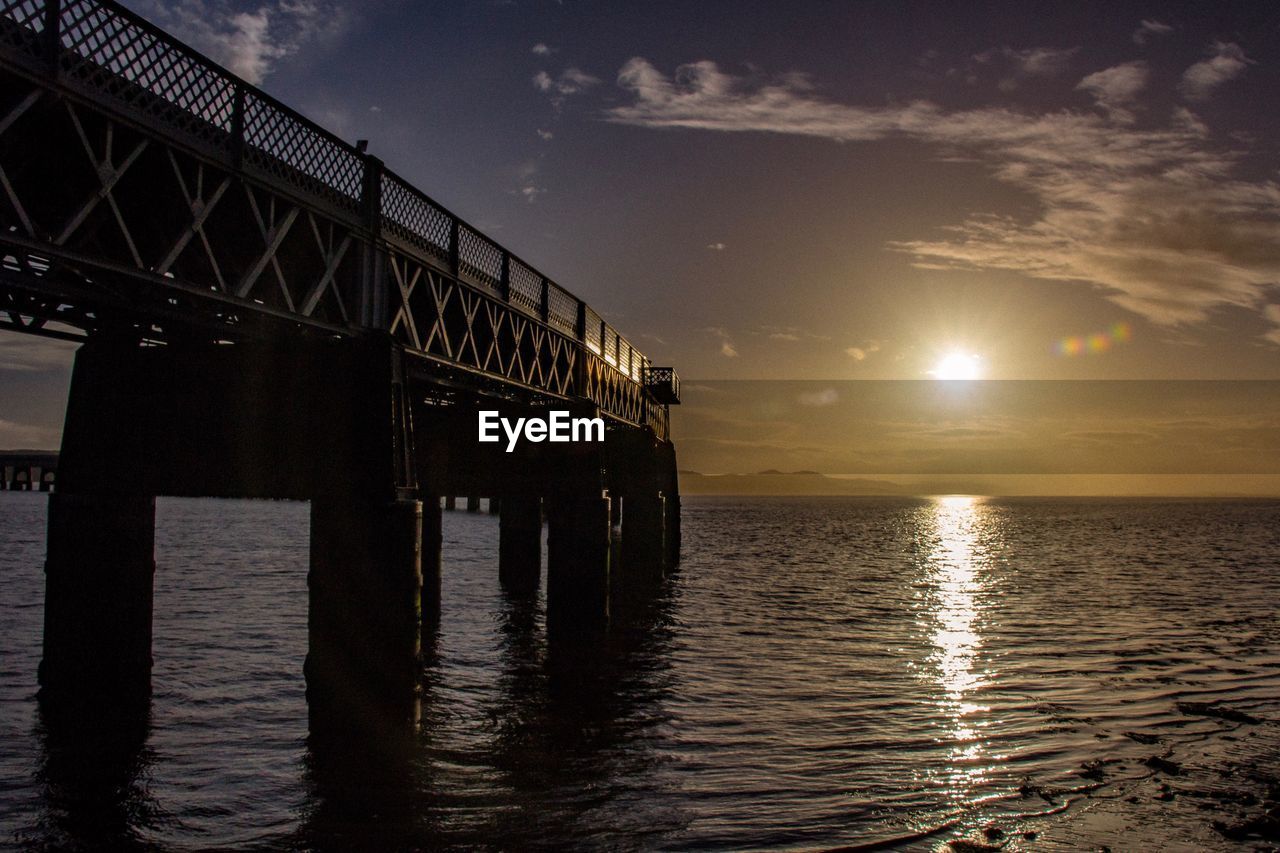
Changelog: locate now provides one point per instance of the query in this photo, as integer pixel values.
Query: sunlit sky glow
(754, 190)
(1073, 191)
(958, 365)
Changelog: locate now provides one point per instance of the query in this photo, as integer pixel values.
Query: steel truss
(143, 189)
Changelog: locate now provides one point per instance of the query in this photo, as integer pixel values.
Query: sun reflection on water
(956, 580)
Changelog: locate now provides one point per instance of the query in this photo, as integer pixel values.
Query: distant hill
(782, 483)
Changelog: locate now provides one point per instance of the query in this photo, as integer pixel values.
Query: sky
(824, 191)
(909, 431)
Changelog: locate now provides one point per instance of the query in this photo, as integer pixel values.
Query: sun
(958, 365)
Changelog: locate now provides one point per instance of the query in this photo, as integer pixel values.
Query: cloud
(1114, 89)
(249, 42)
(863, 352)
(701, 97)
(19, 435)
(1272, 314)
(1021, 65)
(1150, 29)
(789, 333)
(572, 81)
(20, 352)
(1040, 61)
(717, 247)
(527, 186)
(545, 135)
(540, 49)
(1154, 219)
(1226, 62)
(727, 349)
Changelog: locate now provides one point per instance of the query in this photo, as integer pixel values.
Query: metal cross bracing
(144, 187)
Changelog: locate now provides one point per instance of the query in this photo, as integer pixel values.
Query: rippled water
(819, 672)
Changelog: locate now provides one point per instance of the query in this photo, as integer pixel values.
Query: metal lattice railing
(479, 258)
(525, 287)
(139, 66)
(101, 49)
(301, 153)
(562, 310)
(415, 218)
(593, 330)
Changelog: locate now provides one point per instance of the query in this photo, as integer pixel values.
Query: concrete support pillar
(578, 540)
(520, 545)
(672, 532)
(365, 590)
(450, 503)
(432, 554)
(473, 503)
(495, 506)
(100, 558)
(643, 534)
(670, 488)
(615, 511)
(98, 596)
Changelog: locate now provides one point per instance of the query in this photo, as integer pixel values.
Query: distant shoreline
(815, 484)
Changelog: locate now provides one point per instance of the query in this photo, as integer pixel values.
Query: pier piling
(520, 544)
(578, 544)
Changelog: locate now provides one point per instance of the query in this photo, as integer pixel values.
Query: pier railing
(101, 49)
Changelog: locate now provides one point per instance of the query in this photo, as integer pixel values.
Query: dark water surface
(819, 672)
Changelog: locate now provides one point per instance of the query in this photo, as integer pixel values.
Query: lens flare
(1094, 343)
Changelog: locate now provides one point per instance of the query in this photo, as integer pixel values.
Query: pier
(266, 311)
(28, 471)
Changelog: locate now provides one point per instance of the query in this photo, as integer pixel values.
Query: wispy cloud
(727, 349)
(28, 352)
(1272, 313)
(1154, 218)
(20, 435)
(527, 186)
(540, 49)
(248, 41)
(1226, 62)
(1150, 29)
(863, 352)
(571, 81)
(1018, 66)
(1115, 89)
(789, 333)
(717, 247)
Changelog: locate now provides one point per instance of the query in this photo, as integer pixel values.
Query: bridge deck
(144, 186)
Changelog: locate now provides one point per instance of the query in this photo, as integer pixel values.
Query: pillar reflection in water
(957, 566)
(93, 779)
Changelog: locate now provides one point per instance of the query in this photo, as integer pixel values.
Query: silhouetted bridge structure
(268, 311)
(28, 471)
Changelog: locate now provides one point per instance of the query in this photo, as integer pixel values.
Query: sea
(962, 672)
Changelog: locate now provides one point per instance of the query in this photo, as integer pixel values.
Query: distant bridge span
(268, 311)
